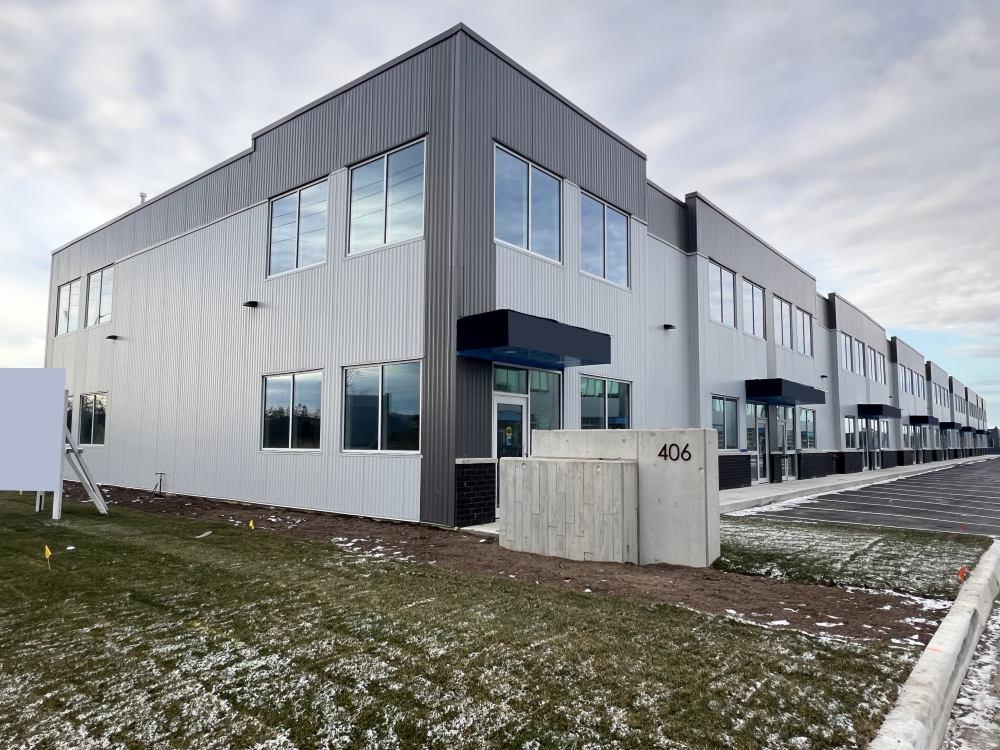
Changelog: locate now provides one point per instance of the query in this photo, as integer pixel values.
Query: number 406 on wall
(674, 452)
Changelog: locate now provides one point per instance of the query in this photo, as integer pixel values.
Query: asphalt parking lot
(962, 498)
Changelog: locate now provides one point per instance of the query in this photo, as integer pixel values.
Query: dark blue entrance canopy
(968, 429)
(879, 410)
(529, 341)
(923, 419)
(950, 425)
(783, 392)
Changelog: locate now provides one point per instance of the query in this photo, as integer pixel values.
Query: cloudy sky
(860, 138)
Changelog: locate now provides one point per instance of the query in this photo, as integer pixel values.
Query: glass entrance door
(762, 452)
(869, 437)
(510, 436)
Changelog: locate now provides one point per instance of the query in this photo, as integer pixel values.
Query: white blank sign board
(31, 428)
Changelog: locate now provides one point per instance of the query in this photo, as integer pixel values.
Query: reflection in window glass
(298, 229)
(307, 410)
(616, 260)
(69, 414)
(68, 313)
(367, 206)
(807, 428)
(99, 289)
(405, 201)
(401, 407)
(725, 422)
(284, 233)
(511, 196)
(292, 411)
(361, 397)
(591, 236)
(544, 402)
(93, 415)
(312, 225)
(544, 218)
(721, 295)
(782, 323)
(619, 409)
(591, 404)
(509, 380)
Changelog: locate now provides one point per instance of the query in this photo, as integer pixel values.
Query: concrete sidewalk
(767, 494)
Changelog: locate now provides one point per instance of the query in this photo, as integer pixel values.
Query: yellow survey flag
(251, 523)
(48, 552)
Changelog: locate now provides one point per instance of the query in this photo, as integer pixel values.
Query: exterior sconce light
(250, 303)
(112, 337)
(668, 327)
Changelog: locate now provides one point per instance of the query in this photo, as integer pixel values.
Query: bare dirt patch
(829, 610)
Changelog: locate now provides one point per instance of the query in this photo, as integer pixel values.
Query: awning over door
(923, 419)
(529, 341)
(886, 411)
(968, 429)
(950, 425)
(783, 392)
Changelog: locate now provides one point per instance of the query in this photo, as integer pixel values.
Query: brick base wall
(890, 459)
(475, 493)
(813, 465)
(776, 461)
(849, 462)
(907, 458)
(734, 470)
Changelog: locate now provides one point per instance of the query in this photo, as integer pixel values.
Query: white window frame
(378, 441)
(68, 286)
(263, 404)
(628, 246)
(859, 357)
(750, 319)
(736, 401)
(779, 328)
(631, 391)
(803, 418)
(846, 352)
(722, 299)
(803, 320)
(85, 299)
(385, 199)
(851, 429)
(298, 218)
(557, 261)
(78, 418)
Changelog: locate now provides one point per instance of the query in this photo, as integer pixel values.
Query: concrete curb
(866, 478)
(920, 718)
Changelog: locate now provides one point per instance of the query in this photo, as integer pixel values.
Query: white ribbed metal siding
(641, 351)
(184, 379)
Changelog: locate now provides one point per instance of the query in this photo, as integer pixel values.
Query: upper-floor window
(880, 371)
(100, 286)
(902, 378)
(721, 295)
(603, 241)
(782, 323)
(93, 418)
(753, 309)
(382, 407)
(846, 348)
(68, 310)
(298, 229)
(605, 404)
(804, 331)
(525, 205)
(859, 357)
(293, 411)
(724, 420)
(387, 199)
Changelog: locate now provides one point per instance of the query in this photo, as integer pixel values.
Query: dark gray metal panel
(667, 217)
(474, 408)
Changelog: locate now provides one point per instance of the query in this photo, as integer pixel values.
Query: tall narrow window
(872, 371)
(782, 323)
(753, 309)
(68, 310)
(69, 414)
(803, 330)
(382, 408)
(846, 348)
(724, 420)
(859, 357)
(605, 404)
(721, 295)
(298, 229)
(603, 241)
(93, 418)
(293, 410)
(807, 427)
(526, 205)
(850, 433)
(387, 199)
(881, 369)
(100, 285)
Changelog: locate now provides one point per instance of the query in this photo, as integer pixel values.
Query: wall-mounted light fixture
(823, 376)
(112, 337)
(668, 327)
(250, 303)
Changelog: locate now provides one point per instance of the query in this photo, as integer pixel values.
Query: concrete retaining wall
(579, 509)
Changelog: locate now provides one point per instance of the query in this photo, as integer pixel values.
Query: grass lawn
(832, 554)
(145, 637)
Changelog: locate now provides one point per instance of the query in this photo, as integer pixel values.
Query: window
(603, 241)
(526, 205)
(93, 417)
(69, 414)
(803, 328)
(387, 199)
(604, 404)
(872, 375)
(885, 434)
(753, 309)
(293, 411)
(545, 398)
(724, 411)
(68, 312)
(782, 323)
(298, 229)
(721, 295)
(901, 376)
(807, 427)
(907, 431)
(859, 357)
(850, 433)
(382, 408)
(880, 367)
(846, 347)
(99, 288)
